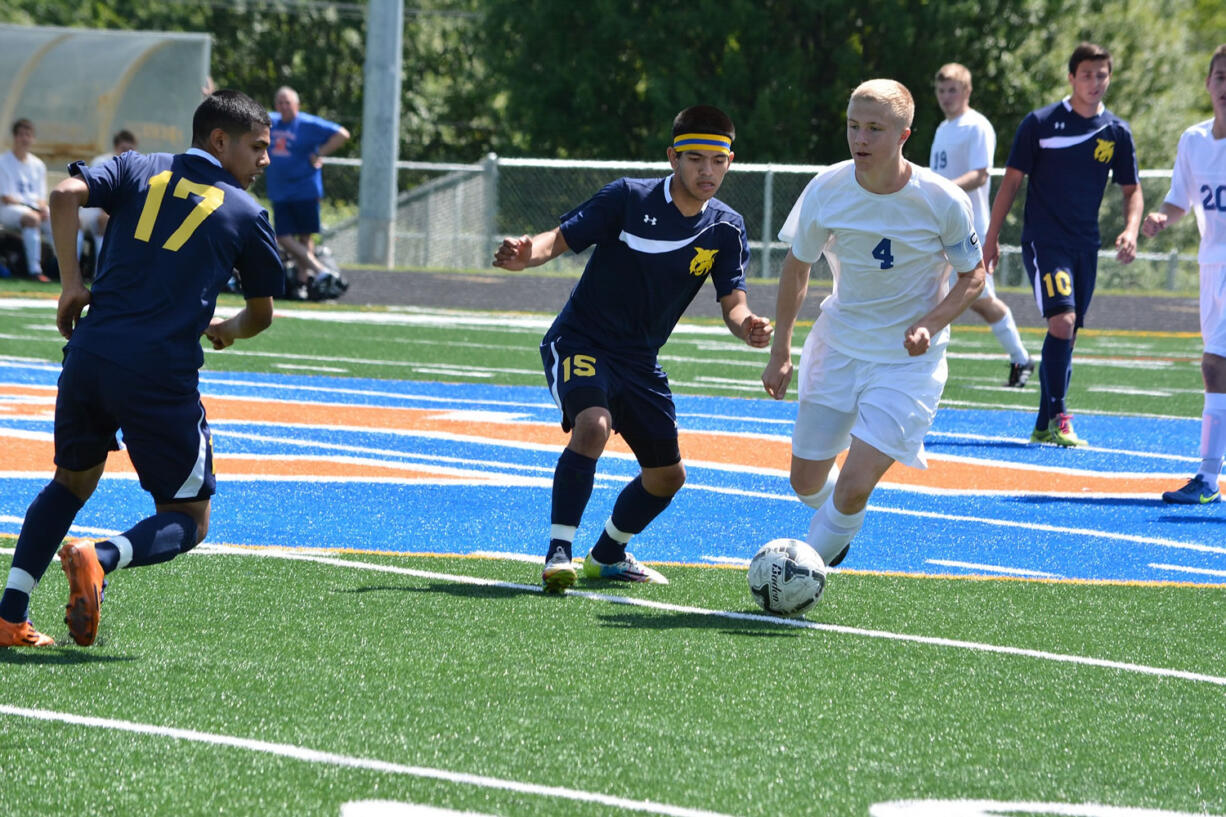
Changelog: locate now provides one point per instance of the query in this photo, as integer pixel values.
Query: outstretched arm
(1005, 196)
(251, 320)
(793, 285)
(1166, 216)
(66, 199)
(742, 322)
(963, 294)
(530, 251)
(1134, 206)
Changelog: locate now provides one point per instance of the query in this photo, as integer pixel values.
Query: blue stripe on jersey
(1068, 159)
(648, 264)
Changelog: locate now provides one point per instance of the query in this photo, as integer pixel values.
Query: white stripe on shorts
(195, 480)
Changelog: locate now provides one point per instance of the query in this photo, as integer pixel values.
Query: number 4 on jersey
(882, 253)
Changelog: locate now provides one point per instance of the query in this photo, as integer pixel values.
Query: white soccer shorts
(890, 406)
(1213, 308)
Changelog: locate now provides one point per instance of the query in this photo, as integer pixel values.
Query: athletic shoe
(1196, 492)
(842, 554)
(85, 581)
(1019, 373)
(627, 570)
(1061, 430)
(1040, 435)
(22, 635)
(559, 572)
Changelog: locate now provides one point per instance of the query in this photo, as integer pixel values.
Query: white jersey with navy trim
(1198, 183)
(888, 254)
(648, 264)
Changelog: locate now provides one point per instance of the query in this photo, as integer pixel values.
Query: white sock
(1010, 339)
(816, 500)
(1212, 438)
(831, 530)
(33, 243)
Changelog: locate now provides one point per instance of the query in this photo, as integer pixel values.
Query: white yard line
(305, 755)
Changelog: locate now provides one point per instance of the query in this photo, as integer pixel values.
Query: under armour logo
(649, 220)
(1058, 126)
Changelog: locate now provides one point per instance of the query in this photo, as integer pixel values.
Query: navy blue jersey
(1067, 158)
(648, 264)
(180, 225)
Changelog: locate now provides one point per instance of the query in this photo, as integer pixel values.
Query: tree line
(600, 79)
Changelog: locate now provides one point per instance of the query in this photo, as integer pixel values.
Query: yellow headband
(702, 141)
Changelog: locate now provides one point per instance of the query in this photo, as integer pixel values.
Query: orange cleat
(22, 635)
(85, 580)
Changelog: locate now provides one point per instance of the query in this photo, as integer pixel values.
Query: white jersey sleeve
(958, 234)
(808, 242)
(1198, 183)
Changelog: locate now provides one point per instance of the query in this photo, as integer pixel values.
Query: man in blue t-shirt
(1067, 150)
(295, 183)
(656, 242)
(179, 225)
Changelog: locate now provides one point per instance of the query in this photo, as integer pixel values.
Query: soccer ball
(787, 577)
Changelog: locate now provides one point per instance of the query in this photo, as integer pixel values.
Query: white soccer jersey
(961, 145)
(888, 254)
(26, 180)
(1199, 184)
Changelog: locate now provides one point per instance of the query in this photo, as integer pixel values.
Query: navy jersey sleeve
(1025, 148)
(259, 264)
(733, 260)
(598, 219)
(1124, 163)
(104, 181)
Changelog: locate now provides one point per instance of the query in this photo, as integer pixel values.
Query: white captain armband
(966, 254)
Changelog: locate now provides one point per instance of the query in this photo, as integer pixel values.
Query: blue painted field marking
(722, 515)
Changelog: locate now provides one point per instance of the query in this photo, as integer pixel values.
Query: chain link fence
(452, 216)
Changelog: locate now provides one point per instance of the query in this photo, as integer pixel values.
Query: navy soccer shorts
(296, 217)
(1062, 278)
(636, 394)
(164, 430)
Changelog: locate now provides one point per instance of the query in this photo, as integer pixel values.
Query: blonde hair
(890, 93)
(954, 72)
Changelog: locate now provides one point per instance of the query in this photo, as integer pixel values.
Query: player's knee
(851, 493)
(1063, 326)
(592, 429)
(664, 481)
(30, 219)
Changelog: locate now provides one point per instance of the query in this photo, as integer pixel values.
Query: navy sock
(633, 511)
(159, 538)
(46, 524)
(573, 479)
(1057, 368)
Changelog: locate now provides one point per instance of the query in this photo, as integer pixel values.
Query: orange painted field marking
(707, 447)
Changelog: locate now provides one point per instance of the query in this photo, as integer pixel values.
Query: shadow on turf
(60, 654)
(1123, 502)
(450, 588)
(663, 620)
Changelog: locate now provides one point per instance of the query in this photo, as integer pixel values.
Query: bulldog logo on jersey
(1104, 151)
(702, 262)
